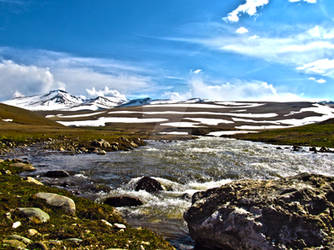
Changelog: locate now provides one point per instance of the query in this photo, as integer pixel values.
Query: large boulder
(56, 174)
(289, 213)
(34, 214)
(148, 184)
(59, 201)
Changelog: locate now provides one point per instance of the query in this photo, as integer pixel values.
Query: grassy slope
(86, 225)
(320, 135)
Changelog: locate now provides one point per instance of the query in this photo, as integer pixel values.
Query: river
(183, 167)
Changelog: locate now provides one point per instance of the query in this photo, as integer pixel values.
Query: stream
(182, 167)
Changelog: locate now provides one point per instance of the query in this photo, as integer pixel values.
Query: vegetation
(318, 135)
(86, 226)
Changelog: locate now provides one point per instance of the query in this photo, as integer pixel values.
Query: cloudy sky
(280, 50)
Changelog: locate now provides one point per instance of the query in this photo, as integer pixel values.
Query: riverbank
(36, 221)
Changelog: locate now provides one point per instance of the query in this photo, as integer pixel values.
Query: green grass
(86, 225)
(319, 135)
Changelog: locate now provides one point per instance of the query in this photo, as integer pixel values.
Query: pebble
(119, 226)
(32, 232)
(16, 224)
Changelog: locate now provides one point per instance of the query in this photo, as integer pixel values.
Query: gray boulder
(289, 213)
(56, 200)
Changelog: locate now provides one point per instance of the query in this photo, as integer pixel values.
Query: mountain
(137, 102)
(62, 100)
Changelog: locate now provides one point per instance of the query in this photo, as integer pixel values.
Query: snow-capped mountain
(62, 100)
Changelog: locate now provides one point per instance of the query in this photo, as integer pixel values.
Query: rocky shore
(73, 145)
(35, 216)
(288, 213)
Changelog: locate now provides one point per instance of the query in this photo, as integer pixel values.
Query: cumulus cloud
(250, 8)
(18, 78)
(47, 70)
(104, 92)
(241, 30)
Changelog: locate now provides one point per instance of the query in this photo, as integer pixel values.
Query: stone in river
(148, 184)
(288, 213)
(123, 201)
(57, 174)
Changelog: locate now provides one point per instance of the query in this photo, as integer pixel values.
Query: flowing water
(183, 167)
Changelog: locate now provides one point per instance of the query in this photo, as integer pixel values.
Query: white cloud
(240, 90)
(104, 92)
(320, 81)
(321, 67)
(79, 79)
(242, 30)
(250, 8)
(294, 49)
(176, 96)
(52, 70)
(16, 78)
(197, 71)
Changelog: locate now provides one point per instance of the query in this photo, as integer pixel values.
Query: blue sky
(280, 50)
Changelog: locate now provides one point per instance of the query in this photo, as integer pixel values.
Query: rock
(16, 244)
(313, 149)
(101, 152)
(57, 174)
(149, 185)
(34, 214)
(16, 224)
(119, 226)
(32, 232)
(296, 148)
(123, 201)
(59, 201)
(33, 180)
(101, 143)
(20, 238)
(23, 166)
(289, 213)
(39, 245)
(325, 150)
(107, 223)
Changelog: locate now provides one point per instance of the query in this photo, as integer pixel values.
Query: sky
(269, 50)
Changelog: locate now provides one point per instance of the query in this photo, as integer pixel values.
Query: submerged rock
(295, 212)
(148, 184)
(123, 201)
(59, 201)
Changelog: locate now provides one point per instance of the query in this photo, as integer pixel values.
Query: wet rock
(289, 213)
(148, 184)
(313, 149)
(23, 166)
(59, 201)
(296, 148)
(101, 152)
(34, 214)
(325, 150)
(123, 201)
(57, 174)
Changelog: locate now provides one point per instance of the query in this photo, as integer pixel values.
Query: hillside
(10, 115)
